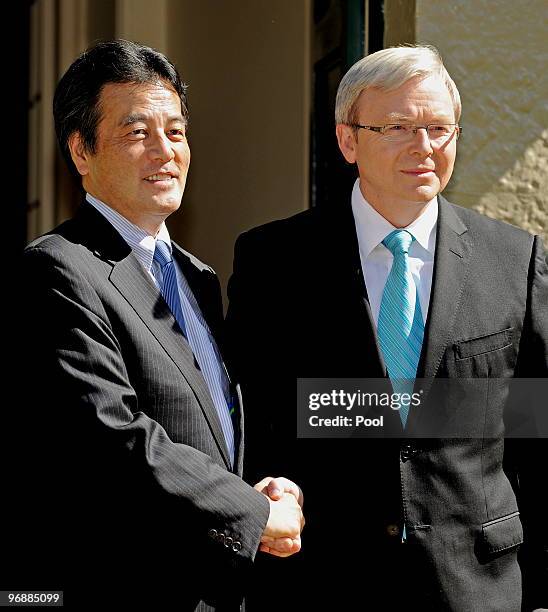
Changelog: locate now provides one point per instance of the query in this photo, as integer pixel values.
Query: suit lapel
(347, 267)
(451, 267)
(367, 359)
(142, 295)
(138, 289)
(206, 289)
(450, 270)
(204, 286)
(239, 458)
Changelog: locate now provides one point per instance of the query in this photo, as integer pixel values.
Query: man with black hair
(133, 429)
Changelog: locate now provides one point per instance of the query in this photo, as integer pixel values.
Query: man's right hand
(282, 534)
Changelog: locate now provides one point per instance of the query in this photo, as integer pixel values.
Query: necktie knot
(398, 242)
(162, 253)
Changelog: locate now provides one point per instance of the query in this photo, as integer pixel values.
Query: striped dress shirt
(199, 335)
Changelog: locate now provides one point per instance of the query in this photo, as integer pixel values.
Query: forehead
(118, 100)
(418, 97)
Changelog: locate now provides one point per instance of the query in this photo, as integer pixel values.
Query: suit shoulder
(197, 263)
(297, 226)
(481, 223)
(69, 252)
(496, 236)
(56, 244)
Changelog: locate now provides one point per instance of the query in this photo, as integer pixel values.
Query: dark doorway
(340, 38)
(18, 123)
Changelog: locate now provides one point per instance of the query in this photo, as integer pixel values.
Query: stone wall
(496, 51)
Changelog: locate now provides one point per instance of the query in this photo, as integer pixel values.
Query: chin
(170, 203)
(425, 193)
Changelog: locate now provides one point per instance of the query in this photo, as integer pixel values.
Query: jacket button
(392, 530)
(237, 546)
(212, 533)
(221, 537)
(408, 452)
(228, 541)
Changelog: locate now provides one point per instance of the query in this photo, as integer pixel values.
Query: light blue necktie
(400, 326)
(201, 342)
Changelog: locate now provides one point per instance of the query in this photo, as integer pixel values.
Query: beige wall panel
(247, 66)
(143, 21)
(73, 38)
(496, 52)
(46, 136)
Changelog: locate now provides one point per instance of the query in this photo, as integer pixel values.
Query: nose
(421, 141)
(161, 148)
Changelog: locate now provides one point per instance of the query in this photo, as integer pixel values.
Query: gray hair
(389, 69)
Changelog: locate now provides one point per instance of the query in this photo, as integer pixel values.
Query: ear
(348, 142)
(78, 153)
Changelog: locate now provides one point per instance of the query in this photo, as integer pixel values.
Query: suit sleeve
(241, 311)
(259, 351)
(246, 336)
(85, 396)
(528, 456)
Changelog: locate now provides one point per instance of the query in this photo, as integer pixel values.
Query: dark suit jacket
(299, 308)
(129, 493)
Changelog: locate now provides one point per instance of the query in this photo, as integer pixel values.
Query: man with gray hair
(396, 283)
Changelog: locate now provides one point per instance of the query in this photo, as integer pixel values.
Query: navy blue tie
(168, 282)
(202, 343)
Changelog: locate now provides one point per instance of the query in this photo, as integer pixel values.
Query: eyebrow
(137, 117)
(397, 117)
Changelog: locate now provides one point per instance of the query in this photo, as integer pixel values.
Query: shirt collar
(140, 241)
(373, 228)
(163, 234)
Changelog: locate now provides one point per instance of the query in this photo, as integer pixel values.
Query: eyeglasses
(438, 133)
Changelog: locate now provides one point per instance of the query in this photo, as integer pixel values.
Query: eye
(177, 132)
(396, 127)
(138, 132)
(439, 129)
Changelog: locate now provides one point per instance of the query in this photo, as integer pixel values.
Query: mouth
(160, 177)
(419, 171)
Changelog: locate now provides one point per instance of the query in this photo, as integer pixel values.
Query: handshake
(282, 534)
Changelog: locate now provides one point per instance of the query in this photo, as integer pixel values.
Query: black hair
(76, 105)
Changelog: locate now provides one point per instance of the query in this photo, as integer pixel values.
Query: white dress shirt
(376, 260)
